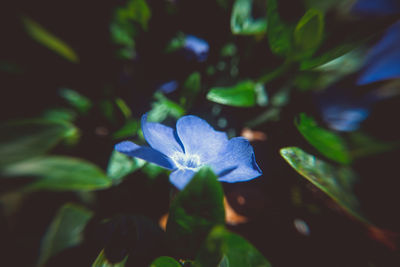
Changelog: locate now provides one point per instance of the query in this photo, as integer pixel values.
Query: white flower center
(186, 161)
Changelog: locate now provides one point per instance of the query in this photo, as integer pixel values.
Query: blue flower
(195, 48)
(383, 61)
(191, 146)
(376, 7)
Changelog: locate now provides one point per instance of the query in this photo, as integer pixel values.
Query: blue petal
(160, 137)
(376, 7)
(383, 61)
(196, 48)
(180, 178)
(168, 87)
(199, 138)
(145, 153)
(237, 163)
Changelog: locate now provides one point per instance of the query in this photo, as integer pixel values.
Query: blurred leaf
(75, 99)
(176, 43)
(329, 144)
(363, 145)
(59, 173)
(41, 35)
(336, 182)
(128, 130)
(163, 108)
(279, 33)
(261, 95)
(65, 231)
(194, 212)
(152, 170)
(123, 107)
(242, 21)
(165, 261)
(60, 114)
(121, 165)
(107, 108)
(223, 248)
(138, 11)
(308, 33)
(20, 140)
(191, 88)
(242, 94)
(101, 261)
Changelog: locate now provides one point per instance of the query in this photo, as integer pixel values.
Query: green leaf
(308, 33)
(121, 104)
(65, 231)
(128, 130)
(223, 248)
(336, 182)
(121, 165)
(101, 261)
(41, 35)
(153, 170)
(194, 212)
(329, 144)
(279, 33)
(165, 261)
(139, 11)
(242, 22)
(20, 140)
(191, 88)
(163, 108)
(75, 99)
(60, 114)
(242, 94)
(59, 173)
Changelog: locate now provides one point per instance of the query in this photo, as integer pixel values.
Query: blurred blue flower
(195, 48)
(376, 7)
(168, 87)
(191, 146)
(383, 61)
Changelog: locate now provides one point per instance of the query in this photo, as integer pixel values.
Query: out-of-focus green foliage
(76, 100)
(101, 261)
(20, 140)
(165, 262)
(336, 182)
(328, 143)
(163, 108)
(242, 21)
(59, 173)
(223, 248)
(41, 35)
(121, 165)
(65, 231)
(191, 89)
(194, 212)
(243, 94)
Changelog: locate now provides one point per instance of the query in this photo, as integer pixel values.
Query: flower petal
(180, 178)
(237, 163)
(145, 153)
(199, 138)
(160, 137)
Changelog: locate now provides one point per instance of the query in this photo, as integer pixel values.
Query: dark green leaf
(75, 99)
(126, 111)
(101, 261)
(60, 114)
(336, 182)
(121, 165)
(308, 33)
(329, 144)
(163, 108)
(279, 33)
(363, 145)
(24, 139)
(165, 262)
(191, 88)
(242, 94)
(65, 231)
(59, 173)
(41, 35)
(223, 248)
(152, 170)
(194, 212)
(242, 21)
(130, 129)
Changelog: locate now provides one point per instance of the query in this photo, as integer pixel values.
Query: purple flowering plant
(192, 145)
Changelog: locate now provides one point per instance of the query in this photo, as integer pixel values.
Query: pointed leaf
(194, 212)
(59, 173)
(20, 140)
(41, 35)
(223, 248)
(121, 165)
(101, 261)
(65, 231)
(329, 144)
(279, 33)
(242, 21)
(242, 94)
(336, 182)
